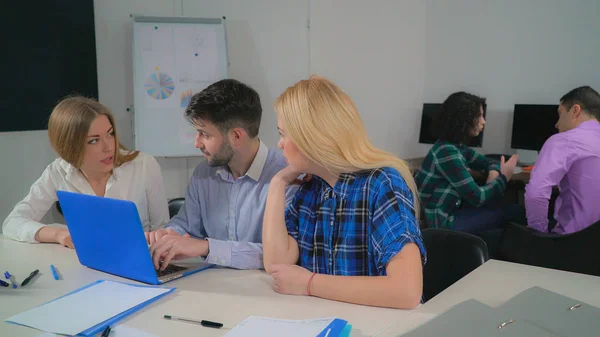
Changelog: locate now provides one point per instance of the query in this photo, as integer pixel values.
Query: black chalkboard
(48, 52)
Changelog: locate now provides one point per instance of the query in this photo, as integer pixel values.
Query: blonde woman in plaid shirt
(350, 233)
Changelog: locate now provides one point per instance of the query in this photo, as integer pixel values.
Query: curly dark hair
(456, 117)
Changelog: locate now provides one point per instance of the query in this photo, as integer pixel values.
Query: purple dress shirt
(571, 161)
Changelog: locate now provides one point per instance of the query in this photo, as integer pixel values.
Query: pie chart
(159, 85)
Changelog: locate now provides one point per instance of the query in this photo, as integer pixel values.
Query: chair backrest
(450, 256)
(175, 205)
(577, 252)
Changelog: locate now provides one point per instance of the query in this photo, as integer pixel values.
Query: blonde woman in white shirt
(91, 161)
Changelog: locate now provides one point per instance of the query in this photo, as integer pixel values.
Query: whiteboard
(173, 58)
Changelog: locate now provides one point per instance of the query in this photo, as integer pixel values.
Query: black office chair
(175, 205)
(576, 252)
(450, 256)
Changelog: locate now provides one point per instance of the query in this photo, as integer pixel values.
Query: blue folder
(101, 326)
(337, 328)
(98, 328)
(347, 330)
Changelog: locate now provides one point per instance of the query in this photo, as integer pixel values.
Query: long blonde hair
(69, 125)
(324, 123)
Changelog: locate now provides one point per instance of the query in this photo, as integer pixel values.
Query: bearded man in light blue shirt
(225, 199)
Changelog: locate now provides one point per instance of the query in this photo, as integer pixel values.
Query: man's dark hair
(457, 117)
(587, 98)
(227, 104)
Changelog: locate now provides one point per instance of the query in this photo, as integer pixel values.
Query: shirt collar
(341, 186)
(72, 170)
(589, 125)
(256, 168)
(69, 169)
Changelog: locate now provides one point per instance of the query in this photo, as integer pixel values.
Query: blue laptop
(108, 236)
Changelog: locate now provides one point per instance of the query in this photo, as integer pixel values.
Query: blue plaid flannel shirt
(355, 228)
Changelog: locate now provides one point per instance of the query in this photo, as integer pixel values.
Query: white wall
(374, 51)
(389, 55)
(510, 51)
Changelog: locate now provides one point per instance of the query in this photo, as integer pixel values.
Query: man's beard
(223, 156)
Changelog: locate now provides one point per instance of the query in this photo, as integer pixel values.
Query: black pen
(4, 284)
(32, 275)
(106, 332)
(207, 324)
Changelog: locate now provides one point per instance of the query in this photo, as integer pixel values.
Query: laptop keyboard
(170, 270)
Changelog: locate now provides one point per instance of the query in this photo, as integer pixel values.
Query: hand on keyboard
(170, 269)
(171, 247)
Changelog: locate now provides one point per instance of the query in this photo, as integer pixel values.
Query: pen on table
(207, 324)
(4, 284)
(106, 332)
(54, 272)
(11, 278)
(32, 275)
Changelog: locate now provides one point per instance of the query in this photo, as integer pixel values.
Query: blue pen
(11, 278)
(54, 272)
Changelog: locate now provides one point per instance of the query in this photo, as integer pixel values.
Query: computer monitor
(429, 111)
(532, 125)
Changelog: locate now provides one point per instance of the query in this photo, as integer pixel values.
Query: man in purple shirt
(571, 161)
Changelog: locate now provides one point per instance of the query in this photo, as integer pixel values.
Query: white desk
(229, 296)
(218, 294)
(494, 283)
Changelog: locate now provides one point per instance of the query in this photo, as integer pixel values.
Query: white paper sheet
(270, 327)
(84, 309)
(118, 331)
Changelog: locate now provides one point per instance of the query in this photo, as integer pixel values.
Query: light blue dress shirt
(229, 212)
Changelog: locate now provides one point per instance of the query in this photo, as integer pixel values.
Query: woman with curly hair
(450, 197)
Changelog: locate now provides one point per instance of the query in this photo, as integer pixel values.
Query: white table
(218, 294)
(229, 296)
(494, 283)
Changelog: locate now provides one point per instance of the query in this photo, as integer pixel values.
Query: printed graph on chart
(159, 85)
(186, 97)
